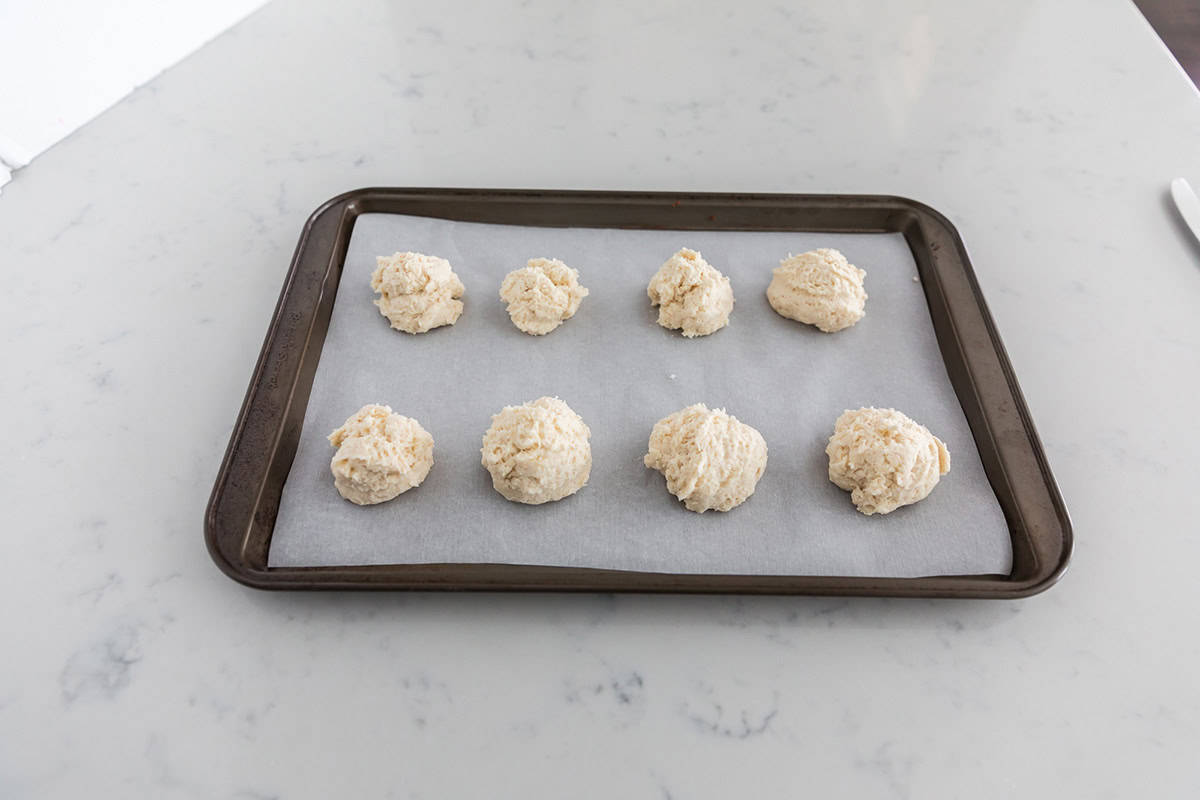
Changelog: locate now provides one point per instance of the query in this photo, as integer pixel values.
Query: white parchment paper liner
(621, 372)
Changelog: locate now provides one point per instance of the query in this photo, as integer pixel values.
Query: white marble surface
(144, 253)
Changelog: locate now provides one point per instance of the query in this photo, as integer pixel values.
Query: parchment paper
(622, 372)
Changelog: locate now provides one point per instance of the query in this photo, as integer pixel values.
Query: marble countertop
(143, 256)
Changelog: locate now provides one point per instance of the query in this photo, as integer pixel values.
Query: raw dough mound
(417, 292)
(691, 295)
(542, 294)
(379, 455)
(819, 288)
(884, 459)
(537, 452)
(710, 460)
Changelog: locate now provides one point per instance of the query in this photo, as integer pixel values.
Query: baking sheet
(622, 372)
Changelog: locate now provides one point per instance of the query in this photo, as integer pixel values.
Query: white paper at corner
(65, 61)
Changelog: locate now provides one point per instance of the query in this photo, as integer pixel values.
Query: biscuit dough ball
(537, 452)
(819, 288)
(691, 295)
(884, 459)
(709, 458)
(542, 295)
(379, 455)
(417, 292)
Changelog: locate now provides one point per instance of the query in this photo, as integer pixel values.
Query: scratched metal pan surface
(242, 511)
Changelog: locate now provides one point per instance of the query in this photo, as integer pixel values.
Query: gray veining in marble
(144, 253)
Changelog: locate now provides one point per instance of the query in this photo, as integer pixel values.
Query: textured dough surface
(379, 455)
(691, 295)
(417, 292)
(537, 452)
(884, 459)
(819, 288)
(542, 295)
(709, 458)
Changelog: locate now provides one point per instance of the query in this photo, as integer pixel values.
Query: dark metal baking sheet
(245, 499)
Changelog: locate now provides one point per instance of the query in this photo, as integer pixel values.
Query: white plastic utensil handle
(1188, 204)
